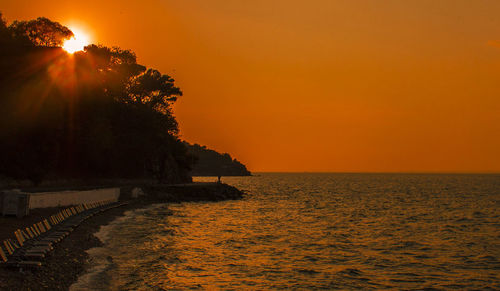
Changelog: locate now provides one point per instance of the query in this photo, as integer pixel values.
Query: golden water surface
(312, 231)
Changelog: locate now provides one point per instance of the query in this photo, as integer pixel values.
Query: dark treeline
(211, 163)
(93, 114)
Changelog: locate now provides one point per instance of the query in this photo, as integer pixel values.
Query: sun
(77, 42)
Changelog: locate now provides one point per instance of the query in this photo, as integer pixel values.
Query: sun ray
(77, 42)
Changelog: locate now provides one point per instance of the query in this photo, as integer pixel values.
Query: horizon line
(367, 172)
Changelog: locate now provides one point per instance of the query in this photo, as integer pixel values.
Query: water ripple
(315, 231)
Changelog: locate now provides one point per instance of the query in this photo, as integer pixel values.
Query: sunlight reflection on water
(313, 231)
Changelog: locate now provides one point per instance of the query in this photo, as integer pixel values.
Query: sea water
(311, 231)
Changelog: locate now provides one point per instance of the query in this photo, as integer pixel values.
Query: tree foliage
(97, 113)
(211, 163)
(154, 90)
(40, 32)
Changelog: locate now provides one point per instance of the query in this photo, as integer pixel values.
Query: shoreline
(70, 259)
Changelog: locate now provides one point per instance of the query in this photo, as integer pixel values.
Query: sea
(311, 231)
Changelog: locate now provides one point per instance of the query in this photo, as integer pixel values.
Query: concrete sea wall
(66, 198)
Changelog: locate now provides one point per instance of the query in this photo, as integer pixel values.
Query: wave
(97, 277)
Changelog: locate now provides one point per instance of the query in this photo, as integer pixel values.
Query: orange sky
(320, 85)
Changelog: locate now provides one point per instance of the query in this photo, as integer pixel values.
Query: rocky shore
(193, 192)
(69, 259)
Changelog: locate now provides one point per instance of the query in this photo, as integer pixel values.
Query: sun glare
(77, 42)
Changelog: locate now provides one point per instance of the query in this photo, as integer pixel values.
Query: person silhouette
(218, 179)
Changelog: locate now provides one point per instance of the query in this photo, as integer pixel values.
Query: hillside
(212, 163)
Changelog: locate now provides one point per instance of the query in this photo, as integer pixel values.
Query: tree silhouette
(5, 35)
(95, 114)
(211, 163)
(40, 32)
(153, 89)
